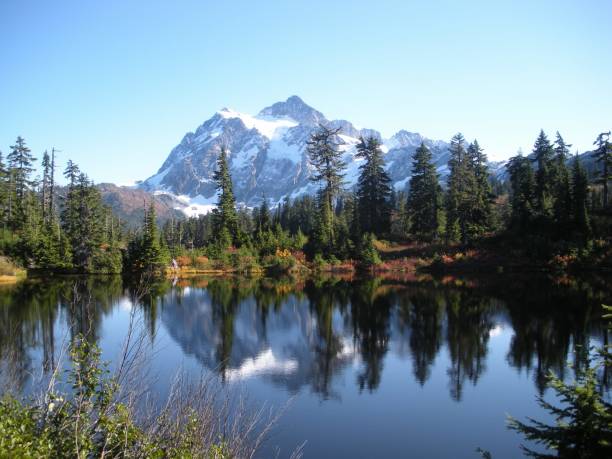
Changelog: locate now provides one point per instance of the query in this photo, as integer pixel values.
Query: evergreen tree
(70, 215)
(225, 217)
(20, 161)
(4, 190)
(460, 197)
(323, 231)
(72, 173)
(368, 255)
(481, 213)
(523, 196)
(424, 196)
(326, 159)
(154, 253)
(543, 153)
(263, 216)
(561, 185)
(580, 195)
(47, 187)
(603, 155)
(373, 190)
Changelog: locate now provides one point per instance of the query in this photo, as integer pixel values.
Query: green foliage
(424, 197)
(89, 420)
(460, 196)
(147, 252)
(76, 233)
(326, 159)
(368, 255)
(583, 421)
(603, 155)
(373, 190)
(225, 216)
(543, 158)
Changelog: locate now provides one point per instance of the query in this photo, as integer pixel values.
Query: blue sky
(116, 84)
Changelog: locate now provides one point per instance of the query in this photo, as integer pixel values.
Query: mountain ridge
(267, 155)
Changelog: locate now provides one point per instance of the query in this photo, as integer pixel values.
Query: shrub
(91, 419)
(368, 255)
(280, 264)
(6, 267)
(183, 261)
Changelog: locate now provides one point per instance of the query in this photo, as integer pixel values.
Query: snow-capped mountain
(267, 155)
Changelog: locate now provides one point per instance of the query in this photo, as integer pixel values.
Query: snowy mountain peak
(404, 138)
(293, 108)
(267, 155)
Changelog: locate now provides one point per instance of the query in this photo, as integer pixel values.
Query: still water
(372, 368)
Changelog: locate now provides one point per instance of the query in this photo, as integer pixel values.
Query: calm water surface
(375, 368)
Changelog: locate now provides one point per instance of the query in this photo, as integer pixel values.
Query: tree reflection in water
(304, 333)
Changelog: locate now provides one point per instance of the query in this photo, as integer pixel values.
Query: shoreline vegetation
(545, 213)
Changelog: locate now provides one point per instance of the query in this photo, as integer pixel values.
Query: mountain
(267, 156)
(128, 203)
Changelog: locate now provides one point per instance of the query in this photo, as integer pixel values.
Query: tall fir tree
(481, 213)
(603, 155)
(46, 187)
(523, 193)
(4, 191)
(264, 222)
(225, 217)
(424, 196)
(460, 197)
(543, 154)
(326, 160)
(561, 186)
(580, 196)
(70, 215)
(373, 190)
(20, 162)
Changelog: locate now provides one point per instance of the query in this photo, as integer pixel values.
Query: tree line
(47, 227)
(547, 200)
(548, 204)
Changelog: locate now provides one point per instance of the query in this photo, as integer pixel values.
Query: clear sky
(116, 84)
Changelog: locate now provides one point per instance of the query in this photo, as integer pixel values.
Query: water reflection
(305, 334)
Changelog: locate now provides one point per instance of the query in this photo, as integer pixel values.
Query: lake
(371, 368)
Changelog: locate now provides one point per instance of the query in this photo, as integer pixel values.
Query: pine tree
(523, 196)
(20, 161)
(323, 231)
(70, 216)
(368, 255)
(561, 185)
(225, 217)
(460, 197)
(154, 254)
(481, 212)
(543, 157)
(72, 173)
(373, 190)
(580, 195)
(326, 160)
(424, 196)
(4, 190)
(583, 420)
(47, 187)
(603, 155)
(263, 216)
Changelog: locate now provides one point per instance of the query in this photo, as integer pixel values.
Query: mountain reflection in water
(329, 338)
